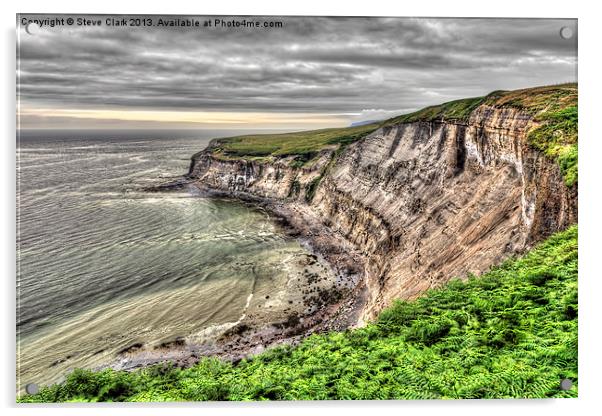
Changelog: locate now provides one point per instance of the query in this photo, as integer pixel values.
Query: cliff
(442, 193)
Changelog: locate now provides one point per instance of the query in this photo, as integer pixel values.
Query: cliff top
(553, 108)
(530, 100)
(304, 144)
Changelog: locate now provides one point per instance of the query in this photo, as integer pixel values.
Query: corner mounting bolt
(566, 33)
(32, 388)
(566, 384)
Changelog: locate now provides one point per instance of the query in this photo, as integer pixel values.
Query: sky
(312, 72)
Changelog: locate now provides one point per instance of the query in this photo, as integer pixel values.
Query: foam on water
(104, 265)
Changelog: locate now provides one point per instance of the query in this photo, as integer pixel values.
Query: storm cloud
(352, 67)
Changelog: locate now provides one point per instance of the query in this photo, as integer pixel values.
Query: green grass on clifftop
(304, 143)
(458, 110)
(511, 333)
(554, 107)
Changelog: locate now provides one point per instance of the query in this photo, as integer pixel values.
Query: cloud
(310, 65)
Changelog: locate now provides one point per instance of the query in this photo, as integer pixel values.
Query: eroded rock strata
(422, 202)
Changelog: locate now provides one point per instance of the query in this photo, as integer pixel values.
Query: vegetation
(536, 100)
(304, 144)
(557, 138)
(554, 107)
(510, 333)
(458, 110)
(312, 187)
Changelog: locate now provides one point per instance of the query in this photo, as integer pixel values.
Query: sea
(104, 264)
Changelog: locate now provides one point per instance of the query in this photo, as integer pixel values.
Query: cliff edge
(445, 192)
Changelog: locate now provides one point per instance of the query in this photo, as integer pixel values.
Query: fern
(511, 333)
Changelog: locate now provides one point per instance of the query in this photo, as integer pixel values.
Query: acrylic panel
(295, 208)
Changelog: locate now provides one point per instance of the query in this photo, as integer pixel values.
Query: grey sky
(311, 72)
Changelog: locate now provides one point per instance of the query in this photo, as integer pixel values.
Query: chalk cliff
(424, 201)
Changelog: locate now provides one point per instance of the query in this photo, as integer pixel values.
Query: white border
(590, 143)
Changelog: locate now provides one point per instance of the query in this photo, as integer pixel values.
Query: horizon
(312, 73)
(255, 129)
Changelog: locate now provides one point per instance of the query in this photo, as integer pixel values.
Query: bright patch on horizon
(200, 117)
(215, 119)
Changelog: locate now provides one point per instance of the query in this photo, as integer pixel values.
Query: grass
(557, 138)
(554, 107)
(312, 187)
(536, 100)
(458, 110)
(512, 333)
(304, 144)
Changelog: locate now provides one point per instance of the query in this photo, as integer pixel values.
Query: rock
(424, 202)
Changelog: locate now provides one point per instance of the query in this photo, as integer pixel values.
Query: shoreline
(337, 309)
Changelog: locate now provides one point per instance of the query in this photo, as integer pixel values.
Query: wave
(104, 265)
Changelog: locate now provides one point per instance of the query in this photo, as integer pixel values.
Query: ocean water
(103, 264)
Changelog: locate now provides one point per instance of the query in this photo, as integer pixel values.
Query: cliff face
(268, 180)
(424, 201)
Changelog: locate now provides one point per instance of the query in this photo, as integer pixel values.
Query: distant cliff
(444, 192)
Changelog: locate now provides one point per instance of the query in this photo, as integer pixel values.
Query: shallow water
(103, 265)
